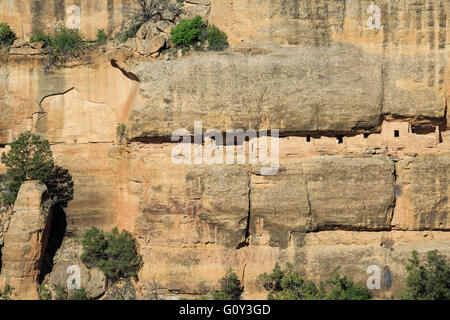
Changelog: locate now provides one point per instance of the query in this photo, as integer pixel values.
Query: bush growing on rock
(114, 253)
(30, 158)
(101, 36)
(230, 287)
(189, 32)
(343, 288)
(7, 36)
(65, 41)
(287, 284)
(427, 281)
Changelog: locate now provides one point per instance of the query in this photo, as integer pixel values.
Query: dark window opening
(308, 139)
(396, 133)
(340, 139)
(366, 135)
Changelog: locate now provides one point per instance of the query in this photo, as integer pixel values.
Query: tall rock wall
(364, 145)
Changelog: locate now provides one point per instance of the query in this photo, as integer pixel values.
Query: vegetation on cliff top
(7, 36)
(114, 253)
(63, 43)
(189, 32)
(31, 158)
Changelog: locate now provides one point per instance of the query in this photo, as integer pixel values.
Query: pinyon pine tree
(30, 158)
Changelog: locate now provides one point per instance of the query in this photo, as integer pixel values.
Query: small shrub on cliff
(427, 281)
(114, 253)
(7, 36)
(30, 158)
(101, 36)
(230, 287)
(66, 42)
(188, 32)
(94, 246)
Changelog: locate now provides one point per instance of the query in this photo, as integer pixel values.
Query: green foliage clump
(65, 41)
(217, 39)
(188, 32)
(30, 158)
(342, 288)
(427, 281)
(287, 284)
(230, 287)
(114, 253)
(94, 247)
(101, 36)
(7, 292)
(7, 36)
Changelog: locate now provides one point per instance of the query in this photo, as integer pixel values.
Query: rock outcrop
(26, 240)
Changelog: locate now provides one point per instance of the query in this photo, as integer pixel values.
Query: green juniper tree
(427, 281)
(114, 253)
(230, 287)
(30, 158)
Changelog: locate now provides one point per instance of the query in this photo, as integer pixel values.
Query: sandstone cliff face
(26, 239)
(313, 70)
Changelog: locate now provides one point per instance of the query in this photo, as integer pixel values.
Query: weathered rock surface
(26, 240)
(67, 262)
(423, 191)
(322, 193)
